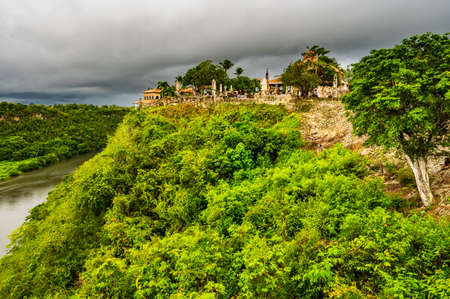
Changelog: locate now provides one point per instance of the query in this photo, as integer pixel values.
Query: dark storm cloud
(107, 51)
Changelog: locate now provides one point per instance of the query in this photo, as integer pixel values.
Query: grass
(9, 169)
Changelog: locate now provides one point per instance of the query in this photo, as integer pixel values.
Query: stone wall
(203, 101)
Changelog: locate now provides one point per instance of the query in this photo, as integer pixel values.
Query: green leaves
(313, 70)
(38, 135)
(202, 75)
(399, 96)
(244, 84)
(223, 201)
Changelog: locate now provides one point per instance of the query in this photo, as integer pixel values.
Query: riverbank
(10, 169)
(237, 196)
(35, 136)
(21, 193)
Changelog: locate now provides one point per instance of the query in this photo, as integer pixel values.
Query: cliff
(226, 201)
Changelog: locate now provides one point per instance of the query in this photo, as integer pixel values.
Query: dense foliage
(400, 98)
(223, 201)
(32, 136)
(299, 74)
(239, 71)
(244, 84)
(166, 89)
(314, 69)
(202, 75)
(226, 65)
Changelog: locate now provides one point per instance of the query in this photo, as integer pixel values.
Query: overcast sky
(107, 52)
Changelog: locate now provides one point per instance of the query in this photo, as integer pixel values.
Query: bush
(55, 132)
(224, 202)
(30, 165)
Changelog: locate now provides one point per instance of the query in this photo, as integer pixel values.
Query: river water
(18, 195)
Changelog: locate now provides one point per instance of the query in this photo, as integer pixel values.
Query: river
(18, 195)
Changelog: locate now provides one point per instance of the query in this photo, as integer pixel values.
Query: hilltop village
(325, 80)
(253, 189)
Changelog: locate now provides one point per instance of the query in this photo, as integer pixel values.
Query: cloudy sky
(107, 51)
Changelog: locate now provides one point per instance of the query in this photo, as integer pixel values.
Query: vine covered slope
(224, 202)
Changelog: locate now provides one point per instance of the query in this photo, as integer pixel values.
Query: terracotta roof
(276, 81)
(190, 89)
(155, 90)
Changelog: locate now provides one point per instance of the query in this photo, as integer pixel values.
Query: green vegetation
(202, 75)
(166, 89)
(226, 65)
(224, 201)
(400, 98)
(239, 71)
(32, 136)
(313, 70)
(244, 84)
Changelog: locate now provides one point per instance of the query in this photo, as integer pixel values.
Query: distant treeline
(32, 136)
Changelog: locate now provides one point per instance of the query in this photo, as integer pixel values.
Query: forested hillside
(32, 136)
(224, 202)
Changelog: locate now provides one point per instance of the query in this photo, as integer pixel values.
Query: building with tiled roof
(152, 94)
(150, 97)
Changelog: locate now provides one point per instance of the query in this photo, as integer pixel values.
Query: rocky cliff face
(325, 124)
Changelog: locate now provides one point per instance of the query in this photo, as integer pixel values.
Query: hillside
(325, 123)
(32, 136)
(225, 201)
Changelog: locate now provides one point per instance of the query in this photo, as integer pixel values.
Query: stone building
(150, 96)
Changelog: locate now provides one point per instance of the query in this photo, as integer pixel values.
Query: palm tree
(226, 64)
(239, 71)
(162, 85)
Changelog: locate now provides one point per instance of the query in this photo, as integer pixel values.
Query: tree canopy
(298, 74)
(239, 71)
(166, 89)
(224, 202)
(202, 75)
(226, 64)
(400, 98)
(314, 69)
(32, 136)
(244, 84)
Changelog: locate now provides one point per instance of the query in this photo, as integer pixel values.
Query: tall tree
(179, 78)
(324, 67)
(244, 84)
(239, 71)
(314, 69)
(162, 85)
(202, 75)
(400, 98)
(298, 74)
(166, 89)
(226, 64)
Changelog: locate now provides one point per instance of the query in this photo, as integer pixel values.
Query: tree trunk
(419, 167)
